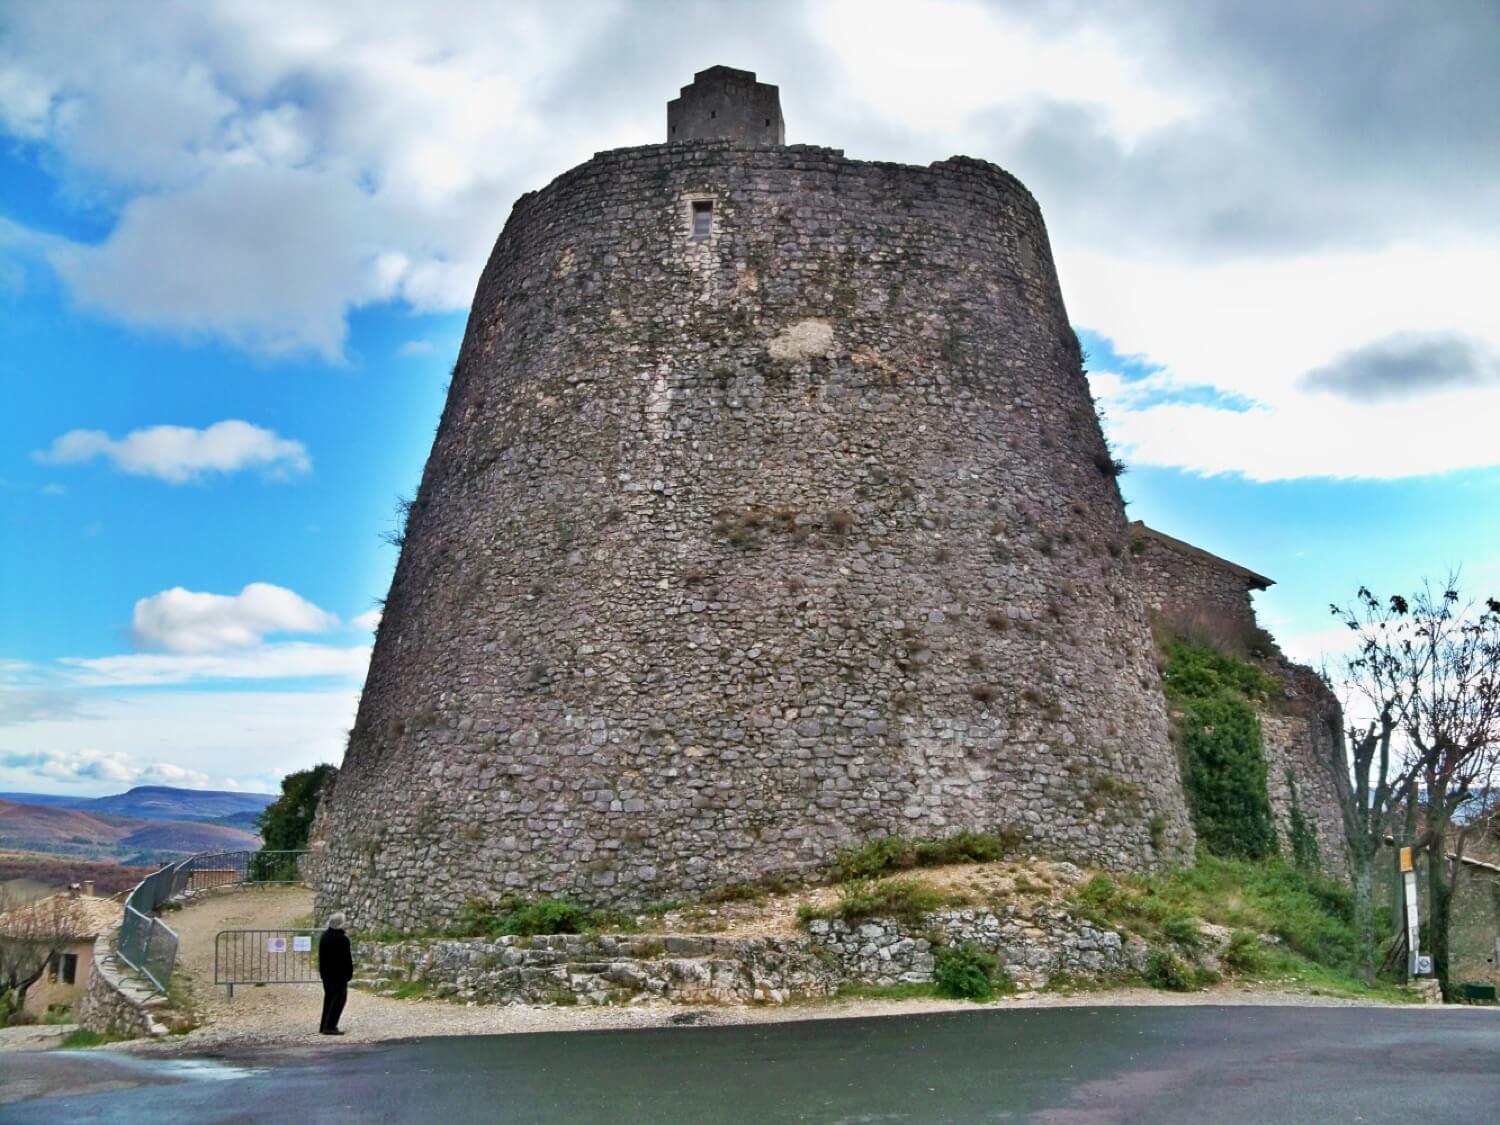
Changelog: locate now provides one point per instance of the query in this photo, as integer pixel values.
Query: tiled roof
(61, 915)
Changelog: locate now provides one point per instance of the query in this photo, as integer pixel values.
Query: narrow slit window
(703, 219)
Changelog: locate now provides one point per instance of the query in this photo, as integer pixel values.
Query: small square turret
(727, 104)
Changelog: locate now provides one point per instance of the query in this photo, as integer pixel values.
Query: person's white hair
(336, 920)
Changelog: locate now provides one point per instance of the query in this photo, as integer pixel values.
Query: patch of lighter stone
(803, 340)
(658, 401)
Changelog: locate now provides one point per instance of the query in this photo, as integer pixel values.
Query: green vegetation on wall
(1304, 839)
(1224, 766)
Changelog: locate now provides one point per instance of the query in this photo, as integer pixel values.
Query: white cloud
(89, 765)
(416, 348)
(243, 740)
(179, 454)
(284, 164)
(1255, 329)
(183, 621)
(368, 621)
(287, 661)
(1215, 202)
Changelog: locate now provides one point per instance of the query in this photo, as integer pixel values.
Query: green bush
(1099, 897)
(548, 916)
(966, 972)
(1167, 970)
(284, 824)
(1224, 766)
(525, 917)
(1312, 915)
(1182, 928)
(1245, 953)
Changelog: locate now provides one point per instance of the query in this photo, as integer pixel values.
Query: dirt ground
(287, 1015)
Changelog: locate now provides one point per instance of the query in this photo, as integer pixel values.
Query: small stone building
(1192, 591)
(68, 922)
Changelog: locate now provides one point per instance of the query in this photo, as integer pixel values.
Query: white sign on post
(275, 945)
(1413, 926)
(302, 943)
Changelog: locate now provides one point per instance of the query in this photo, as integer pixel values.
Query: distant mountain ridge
(159, 802)
(84, 834)
(150, 824)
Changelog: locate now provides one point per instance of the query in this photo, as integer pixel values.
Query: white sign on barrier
(275, 945)
(302, 943)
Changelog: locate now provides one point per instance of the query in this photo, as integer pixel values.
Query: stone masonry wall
(113, 1003)
(1192, 591)
(1300, 733)
(730, 553)
(616, 969)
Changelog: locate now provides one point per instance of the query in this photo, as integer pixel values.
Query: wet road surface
(1060, 1066)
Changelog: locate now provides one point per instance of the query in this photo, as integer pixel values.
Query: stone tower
(768, 513)
(726, 104)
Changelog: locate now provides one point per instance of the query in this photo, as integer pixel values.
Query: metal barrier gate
(265, 957)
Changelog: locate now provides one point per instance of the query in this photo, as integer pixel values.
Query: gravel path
(287, 1015)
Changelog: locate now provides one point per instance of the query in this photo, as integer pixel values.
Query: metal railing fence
(147, 944)
(265, 957)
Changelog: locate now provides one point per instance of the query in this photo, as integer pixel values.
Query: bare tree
(31, 936)
(1426, 688)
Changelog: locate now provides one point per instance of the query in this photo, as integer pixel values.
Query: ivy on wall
(1218, 735)
(1304, 839)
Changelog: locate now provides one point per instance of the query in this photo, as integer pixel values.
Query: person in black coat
(336, 968)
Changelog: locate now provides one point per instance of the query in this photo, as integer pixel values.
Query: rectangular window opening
(69, 968)
(703, 219)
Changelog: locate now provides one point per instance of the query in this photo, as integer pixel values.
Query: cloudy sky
(238, 241)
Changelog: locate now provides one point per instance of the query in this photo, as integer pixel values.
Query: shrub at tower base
(1224, 766)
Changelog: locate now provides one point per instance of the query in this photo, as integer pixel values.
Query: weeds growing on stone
(892, 853)
(525, 917)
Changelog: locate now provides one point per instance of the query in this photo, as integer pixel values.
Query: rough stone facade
(1192, 591)
(732, 551)
(1030, 949)
(1301, 733)
(727, 104)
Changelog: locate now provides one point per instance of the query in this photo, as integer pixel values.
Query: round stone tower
(768, 514)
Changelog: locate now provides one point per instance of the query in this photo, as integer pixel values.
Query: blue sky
(237, 246)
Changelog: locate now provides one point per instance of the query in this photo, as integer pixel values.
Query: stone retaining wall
(1031, 950)
(604, 969)
(114, 1004)
(586, 969)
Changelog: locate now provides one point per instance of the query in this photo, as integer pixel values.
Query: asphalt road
(1061, 1066)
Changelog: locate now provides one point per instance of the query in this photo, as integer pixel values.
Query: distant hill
(159, 802)
(54, 872)
(86, 834)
